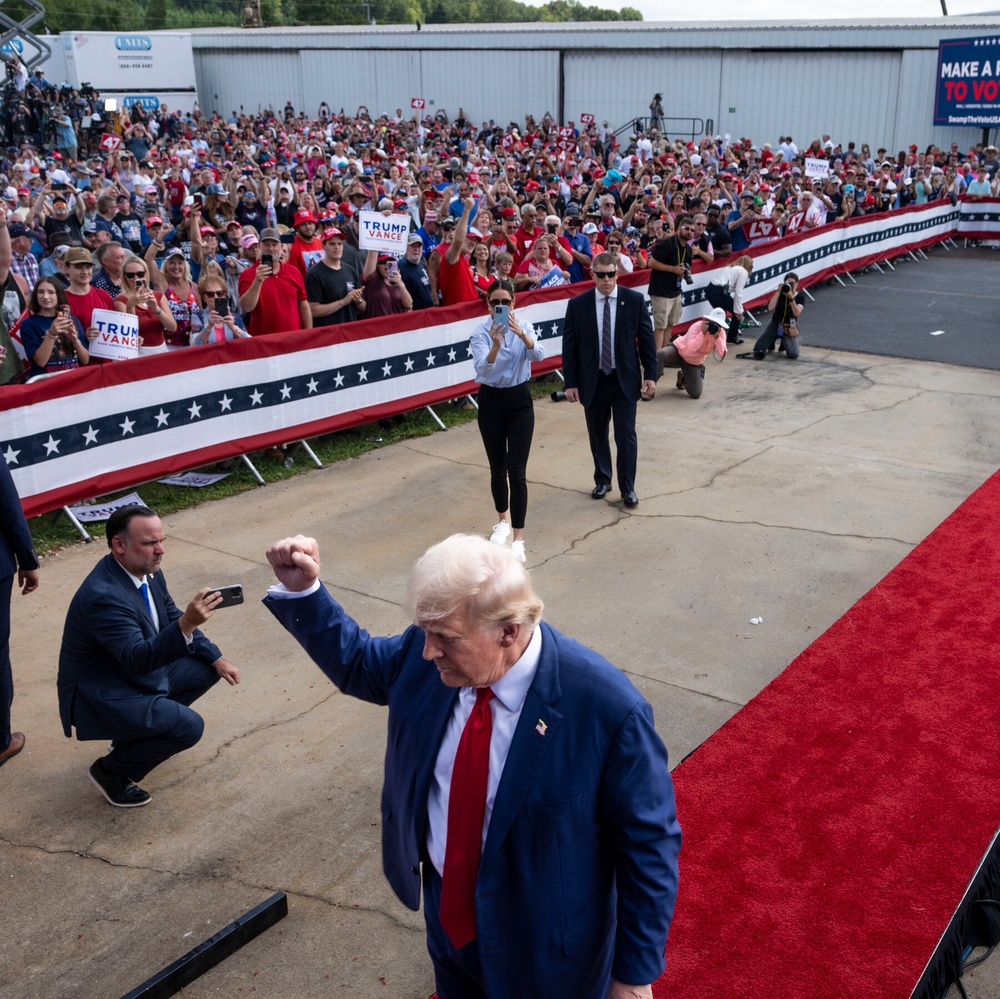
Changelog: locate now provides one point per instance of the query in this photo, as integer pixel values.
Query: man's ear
(509, 635)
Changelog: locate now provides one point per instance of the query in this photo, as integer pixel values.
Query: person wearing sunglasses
(688, 351)
(502, 351)
(218, 322)
(138, 299)
(609, 363)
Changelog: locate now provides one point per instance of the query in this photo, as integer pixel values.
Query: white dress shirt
(509, 693)
(613, 299)
(137, 583)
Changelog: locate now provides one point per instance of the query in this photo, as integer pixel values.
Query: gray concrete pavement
(786, 492)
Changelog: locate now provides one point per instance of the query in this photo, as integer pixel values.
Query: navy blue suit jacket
(634, 345)
(111, 677)
(579, 871)
(16, 546)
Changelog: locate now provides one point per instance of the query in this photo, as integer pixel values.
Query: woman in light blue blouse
(502, 356)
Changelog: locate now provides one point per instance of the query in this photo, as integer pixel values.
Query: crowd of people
(211, 228)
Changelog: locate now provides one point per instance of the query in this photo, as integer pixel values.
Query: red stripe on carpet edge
(832, 825)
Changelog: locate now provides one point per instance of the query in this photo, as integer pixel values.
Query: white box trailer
(150, 68)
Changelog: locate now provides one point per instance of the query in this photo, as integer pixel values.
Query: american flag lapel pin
(541, 727)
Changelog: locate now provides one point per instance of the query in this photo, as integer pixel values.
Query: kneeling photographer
(690, 350)
(785, 307)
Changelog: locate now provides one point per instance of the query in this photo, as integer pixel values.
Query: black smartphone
(232, 594)
(267, 260)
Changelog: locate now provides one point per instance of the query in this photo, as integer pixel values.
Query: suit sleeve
(118, 629)
(570, 349)
(360, 665)
(637, 797)
(12, 522)
(646, 343)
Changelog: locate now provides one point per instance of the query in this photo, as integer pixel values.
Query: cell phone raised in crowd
(267, 260)
(391, 268)
(63, 312)
(232, 594)
(501, 316)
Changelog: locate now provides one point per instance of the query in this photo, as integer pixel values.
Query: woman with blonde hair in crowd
(173, 278)
(218, 324)
(139, 299)
(725, 291)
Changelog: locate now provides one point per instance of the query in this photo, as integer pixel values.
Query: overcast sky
(789, 10)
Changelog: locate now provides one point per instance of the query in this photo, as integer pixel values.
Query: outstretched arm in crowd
(156, 278)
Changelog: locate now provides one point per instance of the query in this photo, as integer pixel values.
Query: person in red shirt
(273, 294)
(526, 235)
(81, 296)
(454, 277)
(308, 247)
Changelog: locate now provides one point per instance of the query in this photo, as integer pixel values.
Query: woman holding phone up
(52, 337)
(139, 299)
(502, 351)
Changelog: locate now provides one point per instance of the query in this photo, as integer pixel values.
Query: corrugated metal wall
(850, 95)
(500, 84)
(688, 79)
(870, 83)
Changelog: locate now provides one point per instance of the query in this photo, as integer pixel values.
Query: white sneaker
(500, 532)
(517, 550)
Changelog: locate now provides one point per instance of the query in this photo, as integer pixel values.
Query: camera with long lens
(687, 276)
(785, 288)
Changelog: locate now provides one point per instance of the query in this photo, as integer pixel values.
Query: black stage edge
(213, 950)
(975, 924)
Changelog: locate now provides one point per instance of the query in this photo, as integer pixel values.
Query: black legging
(506, 423)
(719, 298)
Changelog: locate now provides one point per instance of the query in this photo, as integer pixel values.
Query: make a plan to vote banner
(385, 233)
(968, 82)
(118, 335)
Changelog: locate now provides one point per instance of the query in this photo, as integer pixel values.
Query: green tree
(156, 15)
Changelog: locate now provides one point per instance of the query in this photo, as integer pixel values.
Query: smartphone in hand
(232, 594)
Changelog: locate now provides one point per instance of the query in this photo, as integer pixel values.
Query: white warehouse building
(871, 81)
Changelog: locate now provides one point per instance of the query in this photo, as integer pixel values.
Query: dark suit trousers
(608, 401)
(173, 726)
(6, 678)
(457, 974)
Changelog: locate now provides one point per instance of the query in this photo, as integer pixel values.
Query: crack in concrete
(245, 735)
(690, 690)
(208, 875)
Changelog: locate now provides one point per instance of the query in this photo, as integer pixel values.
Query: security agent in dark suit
(17, 554)
(131, 663)
(526, 789)
(608, 364)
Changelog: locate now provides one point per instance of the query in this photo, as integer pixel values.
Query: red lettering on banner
(985, 90)
(795, 222)
(759, 229)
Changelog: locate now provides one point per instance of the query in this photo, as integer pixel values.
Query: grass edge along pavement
(53, 531)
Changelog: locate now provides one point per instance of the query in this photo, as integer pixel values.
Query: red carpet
(831, 826)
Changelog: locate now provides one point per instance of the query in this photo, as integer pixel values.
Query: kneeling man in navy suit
(131, 663)
(526, 789)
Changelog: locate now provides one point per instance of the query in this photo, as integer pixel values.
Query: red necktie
(466, 808)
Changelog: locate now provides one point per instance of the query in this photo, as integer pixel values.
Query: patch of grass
(52, 531)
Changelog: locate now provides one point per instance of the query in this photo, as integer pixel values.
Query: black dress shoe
(119, 791)
(738, 339)
(16, 745)
(599, 492)
(630, 499)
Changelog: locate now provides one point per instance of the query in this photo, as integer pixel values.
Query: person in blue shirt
(747, 212)
(502, 352)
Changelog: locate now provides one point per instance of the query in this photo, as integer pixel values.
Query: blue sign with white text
(968, 82)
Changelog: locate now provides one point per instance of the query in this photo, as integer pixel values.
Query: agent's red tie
(466, 808)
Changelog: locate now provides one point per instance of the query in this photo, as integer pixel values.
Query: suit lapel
(537, 729)
(437, 711)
